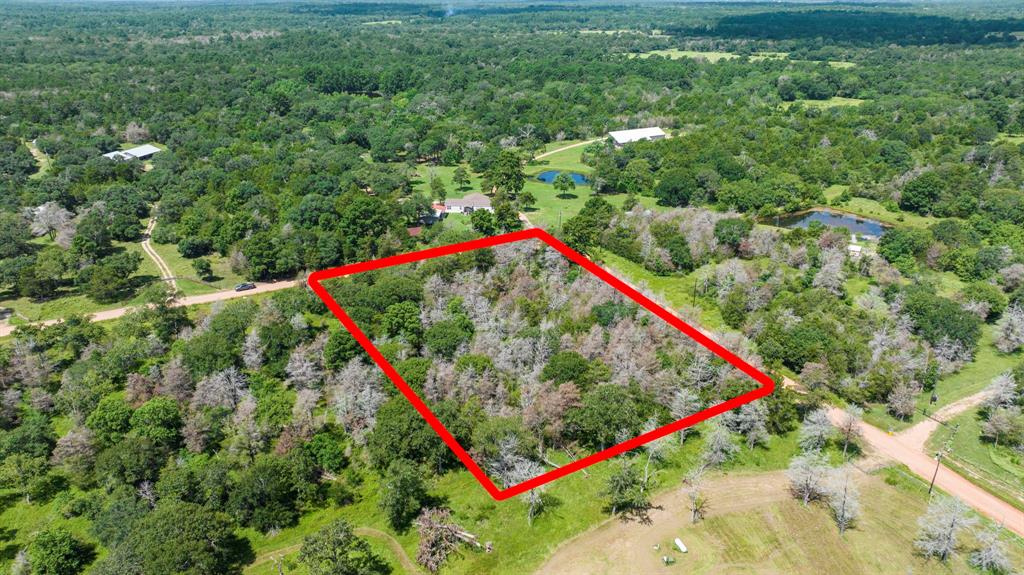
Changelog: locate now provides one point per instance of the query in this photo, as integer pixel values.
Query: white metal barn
(137, 153)
(623, 137)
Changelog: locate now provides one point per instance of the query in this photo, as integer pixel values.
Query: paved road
(261, 287)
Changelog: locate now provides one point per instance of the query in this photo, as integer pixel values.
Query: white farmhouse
(468, 204)
(623, 137)
(136, 153)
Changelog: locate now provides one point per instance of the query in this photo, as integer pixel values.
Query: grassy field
(1011, 138)
(675, 290)
(675, 54)
(875, 210)
(181, 267)
(43, 160)
(1000, 470)
(755, 526)
(19, 521)
(832, 102)
(575, 504)
(550, 209)
(714, 56)
(69, 300)
(974, 377)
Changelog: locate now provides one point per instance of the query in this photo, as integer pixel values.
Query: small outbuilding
(623, 137)
(855, 251)
(468, 204)
(137, 153)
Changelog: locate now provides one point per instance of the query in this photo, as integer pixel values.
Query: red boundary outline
(315, 279)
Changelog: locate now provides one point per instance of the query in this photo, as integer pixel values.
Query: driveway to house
(563, 148)
(165, 270)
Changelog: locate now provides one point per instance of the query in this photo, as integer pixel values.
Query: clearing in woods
(755, 526)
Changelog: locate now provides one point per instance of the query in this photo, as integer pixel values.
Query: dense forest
(299, 136)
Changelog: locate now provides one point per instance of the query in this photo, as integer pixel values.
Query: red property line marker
(767, 386)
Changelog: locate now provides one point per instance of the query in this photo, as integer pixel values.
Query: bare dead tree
(176, 381)
(719, 446)
(849, 426)
(843, 498)
(221, 389)
(807, 472)
(902, 401)
(1010, 330)
(695, 494)
(511, 468)
(247, 437)
(48, 219)
(439, 537)
(816, 430)
(940, 527)
(992, 555)
(684, 404)
(252, 351)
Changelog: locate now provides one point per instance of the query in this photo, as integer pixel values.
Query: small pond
(549, 176)
(853, 224)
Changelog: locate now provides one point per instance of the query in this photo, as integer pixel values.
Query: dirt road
(563, 148)
(908, 448)
(165, 270)
(109, 314)
(918, 434)
(621, 547)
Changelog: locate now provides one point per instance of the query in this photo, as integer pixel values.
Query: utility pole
(946, 448)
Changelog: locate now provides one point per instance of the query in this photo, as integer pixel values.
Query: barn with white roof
(623, 137)
(137, 153)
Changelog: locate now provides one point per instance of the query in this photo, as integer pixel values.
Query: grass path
(407, 563)
(43, 160)
(165, 272)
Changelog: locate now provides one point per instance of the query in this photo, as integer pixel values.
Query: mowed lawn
(874, 210)
(575, 503)
(999, 469)
(181, 267)
(550, 209)
(765, 530)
